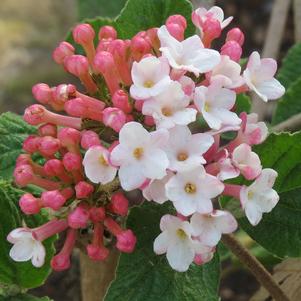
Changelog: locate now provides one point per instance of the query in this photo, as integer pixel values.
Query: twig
(259, 271)
(271, 48)
(297, 20)
(293, 123)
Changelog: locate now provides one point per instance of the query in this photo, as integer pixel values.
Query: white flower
(210, 227)
(155, 191)
(200, 15)
(259, 76)
(97, 166)
(246, 161)
(226, 168)
(176, 241)
(150, 77)
(259, 197)
(26, 247)
(188, 55)
(193, 190)
(188, 85)
(215, 103)
(139, 155)
(185, 150)
(228, 72)
(170, 107)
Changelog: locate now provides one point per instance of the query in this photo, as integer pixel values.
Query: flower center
(102, 160)
(138, 152)
(182, 156)
(181, 233)
(148, 84)
(250, 194)
(167, 112)
(207, 107)
(190, 188)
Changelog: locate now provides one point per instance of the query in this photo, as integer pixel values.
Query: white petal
(22, 250)
(131, 176)
(39, 253)
(161, 243)
(272, 89)
(19, 234)
(155, 164)
(253, 213)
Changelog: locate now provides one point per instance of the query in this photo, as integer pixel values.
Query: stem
(258, 270)
(293, 123)
(297, 20)
(97, 276)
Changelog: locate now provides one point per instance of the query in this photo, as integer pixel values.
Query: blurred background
(31, 29)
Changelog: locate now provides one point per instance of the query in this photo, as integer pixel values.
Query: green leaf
(242, 104)
(13, 131)
(25, 297)
(103, 8)
(290, 103)
(280, 230)
(140, 15)
(23, 274)
(143, 275)
(291, 66)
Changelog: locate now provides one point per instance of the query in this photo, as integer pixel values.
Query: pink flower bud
(77, 65)
(233, 50)
(23, 159)
(139, 47)
(235, 34)
(53, 199)
(48, 129)
(212, 30)
(72, 161)
(152, 34)
(64, 50)
(83, 34)
(97, 214)
(119, 204)
(31, 144)
(114, 118)
(29, 204)
(149, 121)
(60, 262)
(63, 92)
(177, 19)
(53, 167)
(176, 31)
(129, 118)
(48, 146)
(42, 93)
(78, 218)
(126, 241)
(107, 32)
(138, 105)
(69, 137)
(120, 100)
(89, 138)
(23, 175)
(83, 189)
(97, 253)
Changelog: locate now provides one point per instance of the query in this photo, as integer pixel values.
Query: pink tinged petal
(131, 176)
(180, 256)
(22, 250)
(170, 223)
(38, 257)
(267, 70)
(225, 221)
(253, 213)
(185, 116)
(132, 134)
(227, 170)
(266, 179)
(271, 89)
(254, 62)
(268, 201)
(203, 205)
(159, 138)
(19, 234)
(161, 243)
(188, 206)
(211, 186)
(119, 155)
(200, 143)
(226, 22)
(212, 120)
(225, 98)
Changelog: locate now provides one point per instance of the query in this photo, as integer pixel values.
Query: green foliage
(144, 275)
(279, 231)
(21, 274)
(243, 103)
(290, 70)
(13, 131)
(24, 297)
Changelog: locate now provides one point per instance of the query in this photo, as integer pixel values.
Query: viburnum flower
(192, 191)
(188, 55)
(150, 77)
(139, 155)
(259, 197)
(215, 103)
(259, 76)
(176, 241)
(210, 227)
(185, 150)
(169, 108)
(97, 166)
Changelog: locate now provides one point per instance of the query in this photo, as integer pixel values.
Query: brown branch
(271, 49)
(97, 276)
(297, 20)
(258, 270)
(293, 123)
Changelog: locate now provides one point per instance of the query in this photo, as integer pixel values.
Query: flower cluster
(151, 119)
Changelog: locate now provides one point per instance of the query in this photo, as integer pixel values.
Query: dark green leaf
(279, 231)
(13, 131)
(25, 297)
(243, 104)
(144, 275)
(22, 274)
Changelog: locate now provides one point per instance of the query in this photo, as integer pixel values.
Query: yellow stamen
(181, 233)
(138, 152)
(190, 188)
(102, 161)
(250, 194)
(182, 156)
(167, 112)
(207, 107)
(148, 84)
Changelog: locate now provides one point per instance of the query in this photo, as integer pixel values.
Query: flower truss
(137, 127)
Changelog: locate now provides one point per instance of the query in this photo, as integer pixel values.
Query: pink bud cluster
(128, 129)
